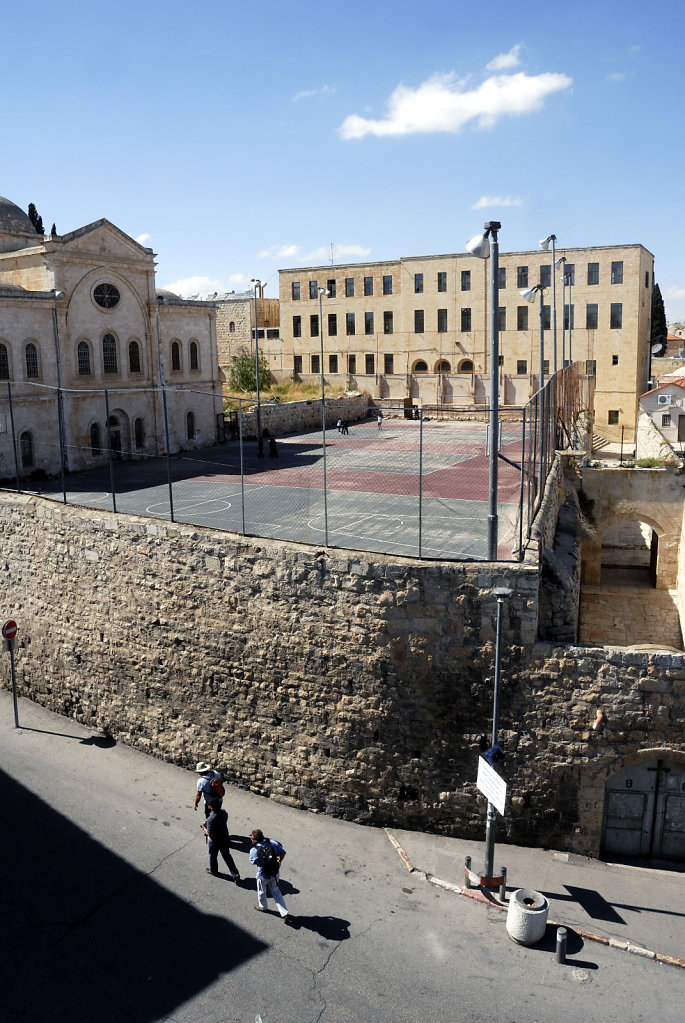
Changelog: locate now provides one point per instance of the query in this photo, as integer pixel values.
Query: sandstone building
(418, 329)
(81, 312)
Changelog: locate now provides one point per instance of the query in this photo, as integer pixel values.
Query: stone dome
(13, 220)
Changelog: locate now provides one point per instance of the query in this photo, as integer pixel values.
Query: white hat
(202, 767)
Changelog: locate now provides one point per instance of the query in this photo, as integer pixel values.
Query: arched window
(26, 448)
(231, 327)
(194, 355)
(133, 357)
(95, 445)
(31, 356)
(139, 433)
(175, 356)
(83, 352)
(466, 366)
(4, 363)
(190, 425)
(109, 353)
(421, 367)
(443, 367)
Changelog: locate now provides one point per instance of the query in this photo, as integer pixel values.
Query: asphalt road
(108, 914)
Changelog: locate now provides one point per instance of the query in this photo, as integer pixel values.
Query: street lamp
(322, 292)
(501, 592)
(544, 244)
(560, 263)
(58, 296)
(529, 295)
(481, 247)
(257, 284)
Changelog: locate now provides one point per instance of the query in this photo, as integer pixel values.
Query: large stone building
(81, 312)
(418, 328)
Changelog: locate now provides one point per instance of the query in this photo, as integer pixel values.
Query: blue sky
(237, 140)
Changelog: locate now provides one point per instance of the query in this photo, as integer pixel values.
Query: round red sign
(9, 629)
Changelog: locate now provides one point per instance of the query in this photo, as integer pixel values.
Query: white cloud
(279, 252)
(321, 90)
(143, 238)
(496, 200)
(505, 61)
(445, 104)
(188, 286)
(340, 252)
(674, 303)
(616, 76)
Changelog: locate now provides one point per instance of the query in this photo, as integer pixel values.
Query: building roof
(679, 381)
(13, 220)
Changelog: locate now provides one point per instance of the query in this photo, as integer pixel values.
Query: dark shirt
(217, 826)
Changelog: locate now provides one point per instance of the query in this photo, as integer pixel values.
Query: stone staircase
(629, 612)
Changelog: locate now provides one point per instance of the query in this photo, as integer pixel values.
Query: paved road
(108, 914)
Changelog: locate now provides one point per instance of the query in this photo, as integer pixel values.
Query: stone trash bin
(527, 916)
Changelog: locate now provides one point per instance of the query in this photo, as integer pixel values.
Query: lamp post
(560, 262)
(569, 280)
(501, 592)
(529, 295)
(58, 296)
(544, 244)
(257, 284)
(322, 292)
(481, 247)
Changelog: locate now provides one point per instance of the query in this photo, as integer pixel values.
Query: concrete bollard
(503, 886)
(560, 957)
(527, 916)
(467, 868)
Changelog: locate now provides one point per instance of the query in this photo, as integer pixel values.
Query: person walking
(215, 828)
(273, 449)
(268, 854)
(209, 786)
(380, 421)
(340, 423)
(345, 428)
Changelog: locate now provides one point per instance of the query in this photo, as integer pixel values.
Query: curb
(492, 902)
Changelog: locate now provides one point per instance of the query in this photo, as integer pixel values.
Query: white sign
(491, 785)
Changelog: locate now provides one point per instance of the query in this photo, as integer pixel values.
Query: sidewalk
(637, 909)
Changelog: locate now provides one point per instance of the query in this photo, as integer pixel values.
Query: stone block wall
(354, 684)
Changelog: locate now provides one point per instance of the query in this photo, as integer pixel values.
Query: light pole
(322, 292)
(58, 296)
(544, 244)
(560, 262)
(501, 592)
(481, 247)
(529, 295)
(257, 284)
(569, 279)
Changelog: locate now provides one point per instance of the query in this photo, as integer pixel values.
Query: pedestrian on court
(215, 828)
(380, 421)
(260, 447)
(340, 424)
(273, 450)
(268, 854)
(345, 428)
(209, 785)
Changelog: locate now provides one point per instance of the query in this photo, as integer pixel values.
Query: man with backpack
(215, 828)
(209, 786)
(268, 854)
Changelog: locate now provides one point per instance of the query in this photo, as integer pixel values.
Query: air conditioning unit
(664, 399)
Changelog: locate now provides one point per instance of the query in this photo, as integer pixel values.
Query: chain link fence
(390, 480)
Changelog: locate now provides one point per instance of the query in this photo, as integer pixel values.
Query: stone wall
(284, 418)
(354, 684)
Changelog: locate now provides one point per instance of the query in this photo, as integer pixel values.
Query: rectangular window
(521, 276)
(368, 323)
(349, 287)
(646, 278)
(546, 317)
(614, 360)
(315, 364)
(418, 321)
(546, 275)
(545, 366)
(297, 364)
(591, 316)
(352, 364)
(442, 281)
(616, 321)
(522, 317)
(466, 320)
(502, 278)
(593, 273)
(388, 364)
(368, 285)
(369, 365)
(387, 323)
(387, 284)
(617, 272)
(500, 360)
(297, 326)
(330, 288)
(568, 317)
(296, 291)
(612, 417)
(591, 367)
(314, 325)
(501, 318)
(332, 363)
(332, 324)
(570, 273)
(665, 419)
(313, 289)
(349, 323)
(442, 321)
(418, 284)
(466, 280)
(521, 367)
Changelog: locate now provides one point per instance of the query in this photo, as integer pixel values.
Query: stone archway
(644, 808)
(119, 433)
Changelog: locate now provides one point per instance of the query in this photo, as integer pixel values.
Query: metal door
(644, 811)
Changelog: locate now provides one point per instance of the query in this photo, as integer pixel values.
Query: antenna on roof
(331, 253)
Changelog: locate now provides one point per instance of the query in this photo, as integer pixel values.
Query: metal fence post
(421, 485)
(14, 436)
(242, 466)
(168, 453)
(109, 452)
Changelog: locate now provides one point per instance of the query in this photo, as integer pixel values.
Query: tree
(242, 375)
(36, 219)
(659, 325)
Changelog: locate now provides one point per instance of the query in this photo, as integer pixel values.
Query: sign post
(9, 632)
